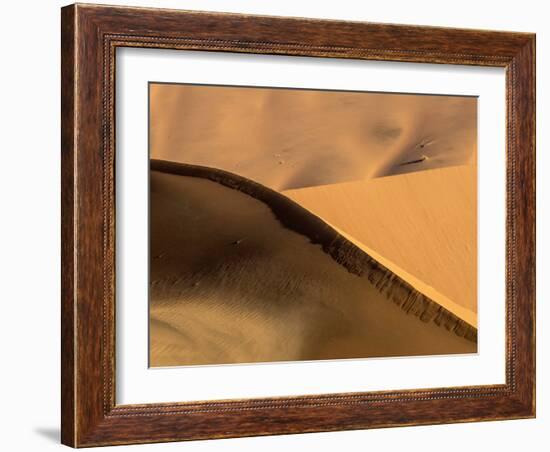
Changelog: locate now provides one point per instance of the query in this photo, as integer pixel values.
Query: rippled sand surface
(230, 284)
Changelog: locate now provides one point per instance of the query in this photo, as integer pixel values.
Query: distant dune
(295, 138)
(240, 273)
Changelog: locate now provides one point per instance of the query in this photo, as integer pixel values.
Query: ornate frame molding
(90, 36)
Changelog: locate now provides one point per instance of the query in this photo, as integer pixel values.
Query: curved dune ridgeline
(240, 273)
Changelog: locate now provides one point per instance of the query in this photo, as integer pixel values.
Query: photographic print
(304, 224)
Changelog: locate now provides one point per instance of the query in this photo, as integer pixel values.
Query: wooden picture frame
(90, 36)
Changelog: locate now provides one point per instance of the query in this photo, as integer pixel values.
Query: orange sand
(423, 223)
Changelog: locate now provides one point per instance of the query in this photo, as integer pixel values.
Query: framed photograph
(280, 225)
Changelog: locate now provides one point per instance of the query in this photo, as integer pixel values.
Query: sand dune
(424, 223)
(292, 138)
(430, 292)
(240, 273)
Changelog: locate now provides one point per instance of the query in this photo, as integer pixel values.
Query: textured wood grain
(90, 35)
(68, 311)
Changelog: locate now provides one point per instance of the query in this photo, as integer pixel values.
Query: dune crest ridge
(343, 251)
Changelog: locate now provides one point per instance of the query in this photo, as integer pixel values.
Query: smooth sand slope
(240, 273)
(423, 222)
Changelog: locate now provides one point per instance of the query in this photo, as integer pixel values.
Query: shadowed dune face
(230, 284)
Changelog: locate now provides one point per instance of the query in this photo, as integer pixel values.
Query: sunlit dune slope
(240, 273)
(424, 223)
